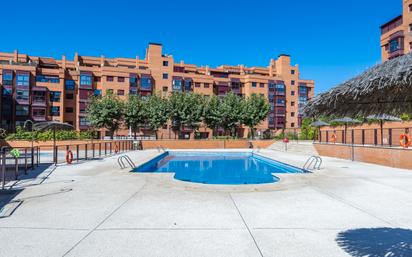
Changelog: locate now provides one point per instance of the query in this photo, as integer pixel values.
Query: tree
(405, 117)
(135, 113)
(157, 112)
(232, 108)
(105, 112)
(308, 132)
(186, 109)
(212, 115)
(255, 110)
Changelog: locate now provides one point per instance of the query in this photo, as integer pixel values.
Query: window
(22, 79)
(253, 84)
(22, 110)
(47, 79)
(120, 92)
(120, 79)
(280, 89)
(197, 84)
(109, 91)
(54, 110)
(7, 92)
(394, 45)
(69, 109)
(110, 78)
(292, 114)
(292, 103)
(410, 7)
(177, 85)
(292, 92)
(165, 63)
(206, 85)
(132, 91)
(292, 72)
(262, 95)
(55, 96)
(22, 95)
(146, 83)
(7, 78)
(410, 27)
(292, 82)
(69, 96)
(97, 92)
(69, 84)
(262, 84)
(280, 102)
(271, 86)
(292, 124)
(165, 76)
(39, 112)
(97, 79)
(39, 96)
(86, 80)
(83, 121)
(165, 89)
(188, 85)
(133, 80)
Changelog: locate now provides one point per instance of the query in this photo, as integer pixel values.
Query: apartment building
(41, 89)
(396, 35)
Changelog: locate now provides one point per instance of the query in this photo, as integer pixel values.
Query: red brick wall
(205, 144)
(392, 157)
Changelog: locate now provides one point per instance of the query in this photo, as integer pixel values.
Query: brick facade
(43, 89)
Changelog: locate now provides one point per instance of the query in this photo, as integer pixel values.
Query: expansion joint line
(247, 227)
(101, 222)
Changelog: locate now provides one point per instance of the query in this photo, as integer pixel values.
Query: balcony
(391, 25)
(396, 53)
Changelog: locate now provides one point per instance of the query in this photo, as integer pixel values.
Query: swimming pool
(233, 168)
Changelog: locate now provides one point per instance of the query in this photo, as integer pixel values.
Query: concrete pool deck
(96, 209)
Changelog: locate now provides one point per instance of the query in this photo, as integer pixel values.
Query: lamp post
(32, 141)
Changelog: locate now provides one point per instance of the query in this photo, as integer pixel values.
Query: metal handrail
(161, 148)
(128, 160)
(318, 162)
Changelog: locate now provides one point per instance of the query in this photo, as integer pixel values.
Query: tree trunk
(252, 132)
(156, 136)
(135, 134)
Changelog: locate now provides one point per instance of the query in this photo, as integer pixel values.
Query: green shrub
(48, 135)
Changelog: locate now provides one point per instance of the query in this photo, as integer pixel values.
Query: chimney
(16, 56)
(63, 61)
(101, 60)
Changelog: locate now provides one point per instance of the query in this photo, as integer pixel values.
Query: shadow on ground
(8, 196)
(376, 242)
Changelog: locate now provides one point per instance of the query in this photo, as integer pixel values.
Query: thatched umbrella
(384, 88)
(53, 125)
(319, 124)
(346, 121)
(382, 118)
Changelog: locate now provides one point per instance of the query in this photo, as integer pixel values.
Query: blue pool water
(218, 167)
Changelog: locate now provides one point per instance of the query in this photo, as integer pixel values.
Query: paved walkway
(95, 209)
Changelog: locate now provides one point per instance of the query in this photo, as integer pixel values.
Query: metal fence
(12, 168)
(386, 137)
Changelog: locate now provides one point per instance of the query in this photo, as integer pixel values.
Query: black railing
(12, 166)
(386, 137)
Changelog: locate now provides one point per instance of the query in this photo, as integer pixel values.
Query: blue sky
(330, 40)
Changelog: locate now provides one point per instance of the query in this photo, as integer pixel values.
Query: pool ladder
(129, 161)
(313, 161)
(161, 148)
